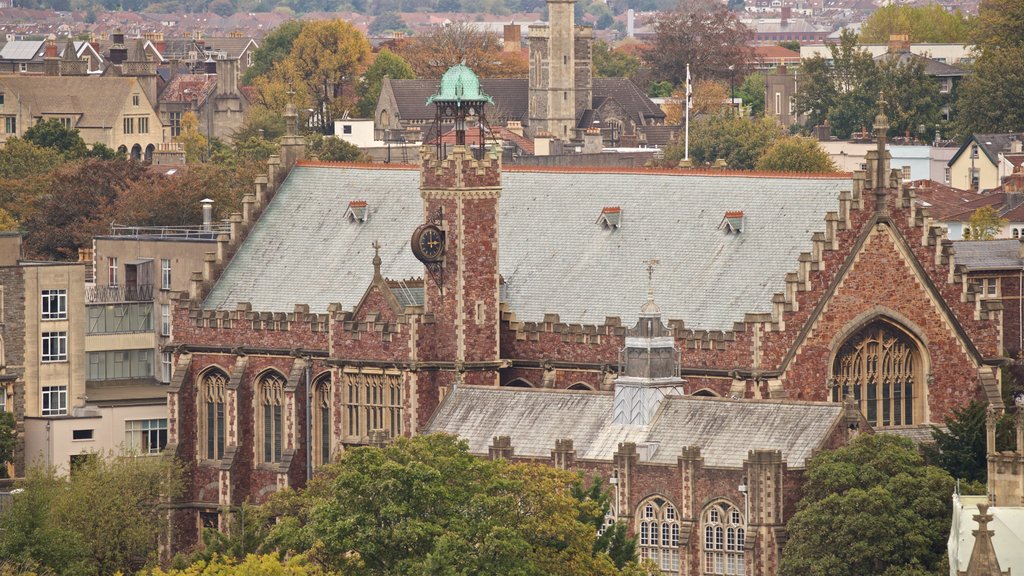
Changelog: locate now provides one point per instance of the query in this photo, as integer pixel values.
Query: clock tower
(458, 240)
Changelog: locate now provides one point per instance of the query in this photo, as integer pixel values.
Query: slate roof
(989, 254)
(232, 46)
(510, 97)
(554, 258)
(932, 67)
(726, 430)
(89, 96)
(990, 144)
(626, 93)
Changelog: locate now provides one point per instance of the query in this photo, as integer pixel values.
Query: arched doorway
(881, 367)
(137, 152)
(149, 153)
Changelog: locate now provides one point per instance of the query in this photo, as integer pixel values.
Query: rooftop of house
(932, 67)
(726, 430)
(89, 97)
(189, 88)
(554, 258)
(942, 200)
(1003, 254)
(992, 145)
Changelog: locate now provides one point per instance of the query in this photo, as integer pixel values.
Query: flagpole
(686, 106)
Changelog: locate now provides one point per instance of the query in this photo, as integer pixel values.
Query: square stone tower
(560, 78)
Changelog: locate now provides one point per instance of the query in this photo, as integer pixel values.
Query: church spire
(983, 557)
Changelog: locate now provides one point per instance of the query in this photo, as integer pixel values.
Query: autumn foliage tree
(703, 34)
(431, 55)
(795, 154)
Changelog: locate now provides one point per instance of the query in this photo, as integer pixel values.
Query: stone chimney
(70, 63)
(513, 38)
(227, 77)
(293, 146)
(118, 50)
(899, 43)
(10, 248)
(515, 127)
(593, 142)
(207, 213)
(51, 60)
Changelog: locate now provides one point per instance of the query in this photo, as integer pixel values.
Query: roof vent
(732, 223)
(610, 217)
(356, 211)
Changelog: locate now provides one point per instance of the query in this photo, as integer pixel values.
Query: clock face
(428, 243)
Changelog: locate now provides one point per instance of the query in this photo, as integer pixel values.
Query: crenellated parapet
(459, 170)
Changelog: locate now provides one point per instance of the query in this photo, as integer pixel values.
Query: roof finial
(650, 308)
(376, 257)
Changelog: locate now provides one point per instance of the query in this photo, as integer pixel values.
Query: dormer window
(356, 211)
(610, 218)
(732, 223)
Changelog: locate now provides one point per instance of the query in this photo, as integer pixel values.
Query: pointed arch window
(658, 529)
(212, 389)
(322, 420)
(880, 367)
(724, 538)
(271, 402)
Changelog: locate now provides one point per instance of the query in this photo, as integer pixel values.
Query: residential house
(215, 98)
(1006, 200)
(113, 111)
(985, 159)
(30, 56)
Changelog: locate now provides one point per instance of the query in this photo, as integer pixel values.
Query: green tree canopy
(387, 22)
(331, 149)
(842, 92)
(8, 432)
(21, 158)
(386, 64)
(752, 93)
(985, 223)
(740, 141)
(930, 23)
(988, 100)
(960, 447)
(1000, 24)
(611, 63)
(250, 565)
(106, 518)
(795, 154)
(426, 506)
(872, 507)
(54, 135)
(274, 47)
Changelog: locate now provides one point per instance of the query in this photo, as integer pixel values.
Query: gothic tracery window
(271, 402)
(724, 537)
(212, 387)
(880, 368)
(371, 402)
(658, 531)
(322, 420)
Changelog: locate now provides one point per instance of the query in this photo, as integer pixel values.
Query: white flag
(689, 89)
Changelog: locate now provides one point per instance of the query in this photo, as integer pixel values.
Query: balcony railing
(176, 232)
(109, 294)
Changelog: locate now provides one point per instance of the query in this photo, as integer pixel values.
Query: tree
(106, 518)
(386, 65)
(872, 507)
(611, 63)
(988, 101)
(709, 97)
(985, 223)
(325, 55)
(912, 97)
(7, 224)
(795, 154)
(274, 47)
(999, 25)
(20, 158)
(930, 23)
(842, 91)
(960, 448)
(703, 34)
(387, 22)
(740, 141)
(331, 149)
(196, 145)
(70, 211)
(8, 431)
(431, 55)
(424, 505)
(752, 93)
(53, 134)
(250, 565)
(161, 200)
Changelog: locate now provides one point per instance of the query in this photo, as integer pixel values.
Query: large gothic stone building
(691, 336)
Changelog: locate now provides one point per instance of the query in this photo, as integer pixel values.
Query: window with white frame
(986, 287)
(271, 404)
(778, 103)
(145, 436)
(112, 270)
(724, 537)
(55, 400)
(174, 119)
(54, 304)
(165, 319)
(165, 274)
(659, 534)
(55, 347)
(166, 367)
(947, 176)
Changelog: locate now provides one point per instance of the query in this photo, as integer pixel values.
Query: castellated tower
(458, 242)
(560, 78)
